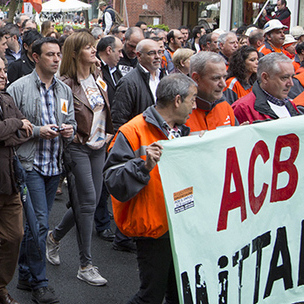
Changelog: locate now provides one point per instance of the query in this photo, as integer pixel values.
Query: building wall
(170, 17)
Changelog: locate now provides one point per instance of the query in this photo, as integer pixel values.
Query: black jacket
(109, 81)
(125, 64)
(132, 96)
(19, 68)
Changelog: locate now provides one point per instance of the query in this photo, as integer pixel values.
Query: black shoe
(107, 235)
(44, 295)
(24, 285)
(127, 246)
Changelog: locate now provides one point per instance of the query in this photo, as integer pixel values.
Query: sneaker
(52, 250)
(44, 295)
(91, 275)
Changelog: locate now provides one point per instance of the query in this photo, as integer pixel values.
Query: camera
(270, 9)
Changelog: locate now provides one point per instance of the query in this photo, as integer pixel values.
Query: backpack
(118, 19)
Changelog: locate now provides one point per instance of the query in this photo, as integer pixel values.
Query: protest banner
(234, 202)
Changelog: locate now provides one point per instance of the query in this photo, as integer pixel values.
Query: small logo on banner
(183, 200)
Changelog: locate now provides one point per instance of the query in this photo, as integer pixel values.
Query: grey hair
(270, 64)
(157, 31)
(171, 86)
(96, 31)
(198, 62)
(223, 37)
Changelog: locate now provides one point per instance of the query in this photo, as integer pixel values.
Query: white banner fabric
(234, 202)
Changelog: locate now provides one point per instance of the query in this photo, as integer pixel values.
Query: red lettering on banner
(256, 202)
(232, 200)
(283, 194)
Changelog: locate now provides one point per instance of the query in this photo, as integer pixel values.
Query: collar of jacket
(150, 118)
(146, 76)
(26, 59)
(38, 80)
(261, 105)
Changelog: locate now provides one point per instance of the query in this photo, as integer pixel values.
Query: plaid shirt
(170, 133)
(47, 150)
(276, 101)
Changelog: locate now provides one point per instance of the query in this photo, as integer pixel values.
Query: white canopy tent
(56, 6)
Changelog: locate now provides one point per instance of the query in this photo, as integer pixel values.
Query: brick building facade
(149, 10)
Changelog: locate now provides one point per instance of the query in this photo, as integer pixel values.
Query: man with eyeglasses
(134, 93)
(129, 61)
(119, 32)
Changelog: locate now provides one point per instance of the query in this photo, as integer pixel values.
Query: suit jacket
(109, 81)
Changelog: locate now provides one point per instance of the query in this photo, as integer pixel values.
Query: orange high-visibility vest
(145, 214)
(221, 115)
(233, 84)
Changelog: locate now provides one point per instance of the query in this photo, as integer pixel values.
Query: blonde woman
(181, 60)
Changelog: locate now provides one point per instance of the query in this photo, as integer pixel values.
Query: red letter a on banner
(232, 200)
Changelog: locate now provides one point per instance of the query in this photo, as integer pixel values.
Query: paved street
(119, 268)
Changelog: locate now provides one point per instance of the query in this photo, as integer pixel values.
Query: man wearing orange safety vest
(274, 38)
(132, 178)
(208, 70)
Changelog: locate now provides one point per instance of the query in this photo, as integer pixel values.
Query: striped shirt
(47, 150)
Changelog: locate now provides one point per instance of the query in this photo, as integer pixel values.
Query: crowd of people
(91, 105)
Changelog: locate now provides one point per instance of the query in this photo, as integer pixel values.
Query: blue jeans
(32, 264)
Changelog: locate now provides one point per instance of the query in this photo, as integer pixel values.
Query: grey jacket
(26, 94)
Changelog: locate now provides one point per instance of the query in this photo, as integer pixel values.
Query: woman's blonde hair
(181, 55)
(71, 50)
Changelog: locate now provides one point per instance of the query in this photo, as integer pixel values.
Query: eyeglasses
(153, 53)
